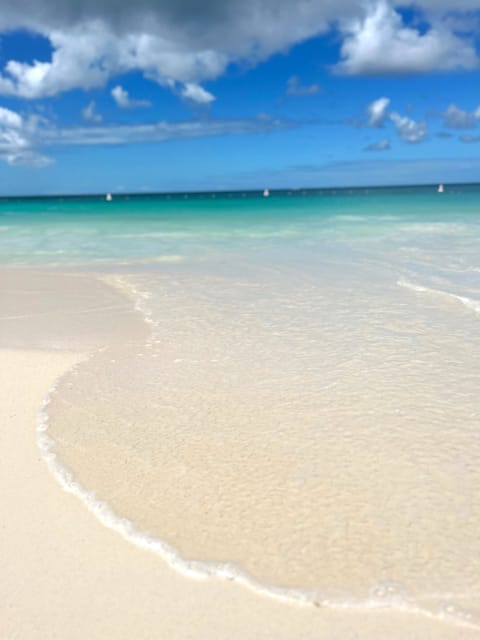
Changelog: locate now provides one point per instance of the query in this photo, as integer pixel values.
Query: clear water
(304, 414)
(196, 227)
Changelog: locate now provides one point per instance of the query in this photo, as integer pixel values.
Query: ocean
(301, 411)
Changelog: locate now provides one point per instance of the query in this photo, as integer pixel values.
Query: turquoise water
(196, 227)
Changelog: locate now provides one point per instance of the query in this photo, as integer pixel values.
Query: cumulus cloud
(295, 88)
(409, 130)
(187, 43)
(88, 54)
(173, 41)
(456, 118)
(196, 93)
(381, 145)
(17, 135)
(10, 119)
(378, 112)
(124, 101)
(90, 114)
(379, 115)
(380, 43)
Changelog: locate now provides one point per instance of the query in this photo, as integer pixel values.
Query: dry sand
(64, 575)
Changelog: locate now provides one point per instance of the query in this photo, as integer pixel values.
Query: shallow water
(305, 408)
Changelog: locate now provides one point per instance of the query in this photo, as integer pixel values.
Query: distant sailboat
(266, 193)
(440, 188)
(108, 197)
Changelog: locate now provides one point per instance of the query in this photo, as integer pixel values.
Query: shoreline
(66, 575)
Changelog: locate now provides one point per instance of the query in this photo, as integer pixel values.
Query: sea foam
(474, 305)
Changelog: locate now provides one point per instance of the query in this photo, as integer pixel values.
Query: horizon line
(251, 191)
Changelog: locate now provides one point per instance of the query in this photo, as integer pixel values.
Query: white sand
(63, 575)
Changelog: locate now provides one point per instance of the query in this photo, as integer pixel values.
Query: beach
(158, 480)
(66, 575)
(239, 320)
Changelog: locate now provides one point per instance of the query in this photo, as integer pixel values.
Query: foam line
(474, 305)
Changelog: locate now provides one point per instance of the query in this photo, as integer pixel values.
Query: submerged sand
(317, 439)
(63, 573)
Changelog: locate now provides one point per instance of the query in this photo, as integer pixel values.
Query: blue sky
(103, 96)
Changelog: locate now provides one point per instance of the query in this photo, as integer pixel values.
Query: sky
(175, 95)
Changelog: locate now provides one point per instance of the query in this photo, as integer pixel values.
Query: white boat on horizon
(440, 188)
(266, 193)
(109, 197)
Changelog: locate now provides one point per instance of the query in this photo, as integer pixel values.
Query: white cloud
(195, 92)
(381, 145)
(87, 55)
(180, 44)
(90, 114)
(51, 135)
(455, 118)
(10, 119)
(29, 159)
(171, 42)
(80, 59)
(409, 130)
(17, 135)
(379, 43)
(121, 97)
(22, 140)
(378, 112)
(124, 101)
(295, 88)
